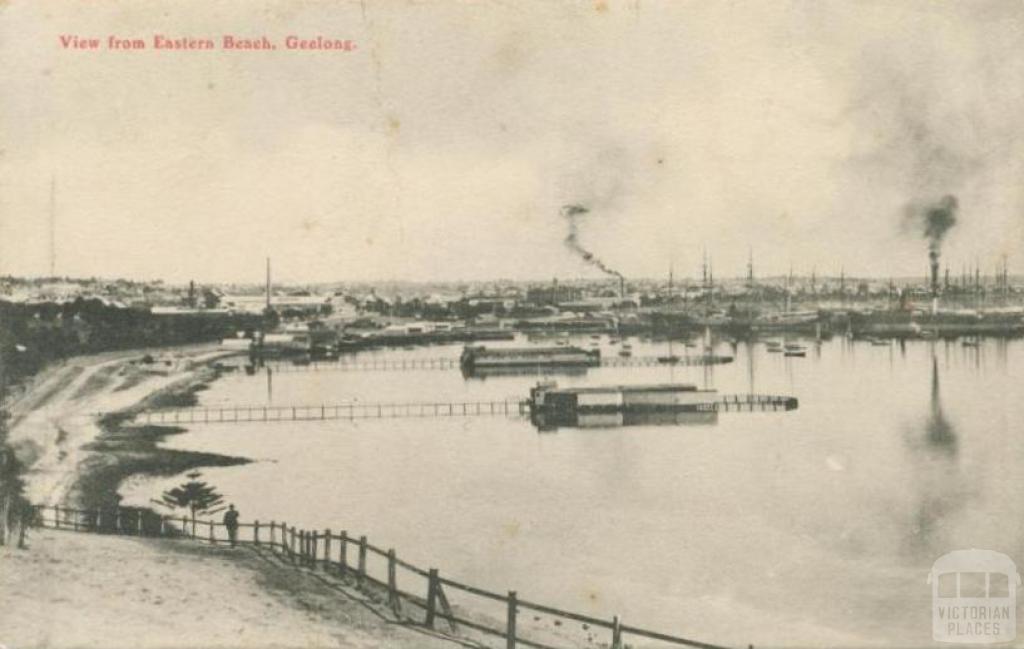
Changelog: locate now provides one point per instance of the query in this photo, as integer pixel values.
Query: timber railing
(412, 594)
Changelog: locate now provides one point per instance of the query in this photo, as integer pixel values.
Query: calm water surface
(795, 529)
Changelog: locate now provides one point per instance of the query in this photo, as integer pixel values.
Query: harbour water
(802, 528)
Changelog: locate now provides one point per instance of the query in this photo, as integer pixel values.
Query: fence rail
(400, 585)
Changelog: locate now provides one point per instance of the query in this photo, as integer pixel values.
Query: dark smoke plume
(934, 221)
(573, 213)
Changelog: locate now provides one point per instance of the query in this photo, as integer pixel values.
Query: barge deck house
(487, 358)
(621, 405)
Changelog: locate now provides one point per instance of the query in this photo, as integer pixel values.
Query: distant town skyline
(722, 127)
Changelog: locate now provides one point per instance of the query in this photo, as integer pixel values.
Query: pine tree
(196, 496)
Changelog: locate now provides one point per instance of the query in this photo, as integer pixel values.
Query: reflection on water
(548, 423)
(940, 485)
(807, 528)
(939, 432)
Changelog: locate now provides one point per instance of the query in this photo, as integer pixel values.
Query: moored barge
(479, 357)
(676, 397)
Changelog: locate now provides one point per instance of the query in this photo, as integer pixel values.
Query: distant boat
(668, 360)
(878, 342)
(625, 353)
(971, 343)
(798, 351)
(773, 346)
(613, 341)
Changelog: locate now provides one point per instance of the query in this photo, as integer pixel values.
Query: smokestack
(935, 221)
(268, 283)
(53, 225)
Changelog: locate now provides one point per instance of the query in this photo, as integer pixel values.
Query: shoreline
(124, 450)
(71, 427)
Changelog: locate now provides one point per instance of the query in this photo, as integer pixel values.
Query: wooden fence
(412, 594)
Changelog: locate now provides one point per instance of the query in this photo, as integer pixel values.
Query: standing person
(231, 522)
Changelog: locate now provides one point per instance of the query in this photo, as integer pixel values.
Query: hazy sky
(446, 144)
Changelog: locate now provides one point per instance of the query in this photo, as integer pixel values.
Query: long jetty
(360, 410)
(409, 364)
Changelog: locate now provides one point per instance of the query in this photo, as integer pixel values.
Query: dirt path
(88, 590)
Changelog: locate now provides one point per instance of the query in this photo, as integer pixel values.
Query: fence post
(184, 528)
(256, 532)
(302, 547)
(271, 536)
(313, 538)
(362, 559)
(616, 633)
(342, 555)
(393, 600)
(431, 598)
(74, 519)
(212, 540)
(291, 544)
(327, 550)
(117, 520)
(510, 629)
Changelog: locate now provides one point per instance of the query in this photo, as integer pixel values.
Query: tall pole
(268, 283)
(53, 226)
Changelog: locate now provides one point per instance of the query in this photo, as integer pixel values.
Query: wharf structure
(484, 358)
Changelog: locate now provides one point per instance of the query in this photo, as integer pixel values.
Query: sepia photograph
(511, 324)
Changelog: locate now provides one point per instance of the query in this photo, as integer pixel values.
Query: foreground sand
(87, 590)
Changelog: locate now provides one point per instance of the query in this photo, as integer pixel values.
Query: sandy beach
(70, 590)
(89, 590)
(56, 424)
